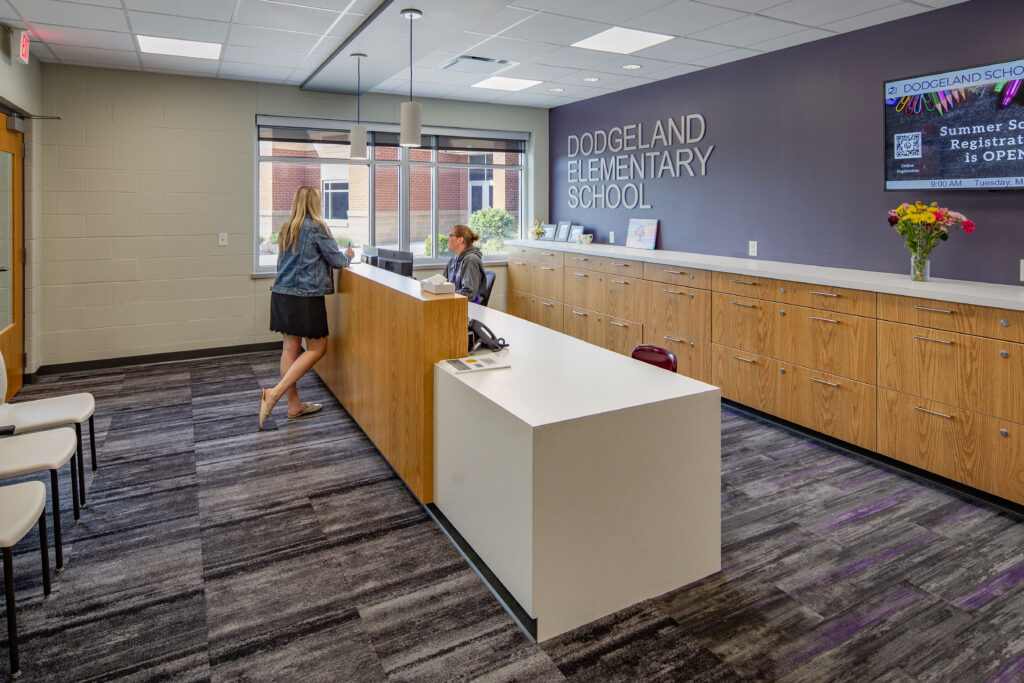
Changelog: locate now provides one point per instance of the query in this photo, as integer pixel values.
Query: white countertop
(555, 377)
(959, 291)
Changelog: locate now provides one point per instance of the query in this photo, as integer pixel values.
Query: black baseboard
(106, 363)
(962, 490)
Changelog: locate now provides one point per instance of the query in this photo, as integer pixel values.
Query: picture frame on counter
(562, 231)
(574, 233)
(549, 232)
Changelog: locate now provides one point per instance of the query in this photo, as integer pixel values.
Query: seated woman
(466, 267)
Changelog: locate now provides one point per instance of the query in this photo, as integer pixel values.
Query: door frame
(12, 337)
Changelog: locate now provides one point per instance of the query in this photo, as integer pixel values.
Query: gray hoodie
(467, 272)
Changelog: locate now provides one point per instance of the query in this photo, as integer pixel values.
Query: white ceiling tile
(555, 29)
(510, 49)
(434, 89)
(435, 59)
(533, 4)
(682, 50)
(747, 30)
(255, 55)
(608, 12)
(346, 25)
(93, 57)
(726, 57)
(179, 64)
(573, 57)
(879, 16)
(41, 52)
(287, 41)
(456, 78)
(745, 5)
(821, 12)
(253, 72)
(798, 38)
(214, 10)
(677, 70)
(647, 66)
(70, 14)
(606, 80)
(334, 5)
(101, 3)
(537, 72)
(682, 18)
(285, 17)
(84, 37)
(182, 28)
(524, 99)
(501, 20)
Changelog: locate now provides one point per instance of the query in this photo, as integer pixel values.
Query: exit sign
(23, 47)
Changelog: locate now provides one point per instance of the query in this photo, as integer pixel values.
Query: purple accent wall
(798, 158)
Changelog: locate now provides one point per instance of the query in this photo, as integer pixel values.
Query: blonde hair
(466, 234)
(306, 205)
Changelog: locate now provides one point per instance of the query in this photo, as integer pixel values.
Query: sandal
(265, 408)
(307, 409)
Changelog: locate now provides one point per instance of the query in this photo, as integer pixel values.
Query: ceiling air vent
(477, 65)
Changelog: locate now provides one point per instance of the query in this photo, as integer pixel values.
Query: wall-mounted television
(956, 130)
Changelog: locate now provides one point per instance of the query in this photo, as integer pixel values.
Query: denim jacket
(307, 269)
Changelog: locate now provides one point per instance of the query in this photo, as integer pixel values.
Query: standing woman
(466, 267)
(306, 258)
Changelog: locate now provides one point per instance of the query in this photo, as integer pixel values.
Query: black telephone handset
(481, 337)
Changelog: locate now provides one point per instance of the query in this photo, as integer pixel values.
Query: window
(399, 198)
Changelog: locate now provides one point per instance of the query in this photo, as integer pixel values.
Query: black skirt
(299, 316)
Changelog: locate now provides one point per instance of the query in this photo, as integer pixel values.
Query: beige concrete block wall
(140, 175)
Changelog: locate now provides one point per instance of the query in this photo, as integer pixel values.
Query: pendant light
(410, 135)
(357, 134)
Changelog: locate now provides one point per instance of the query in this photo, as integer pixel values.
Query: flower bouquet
(922, 226)
(537, 229)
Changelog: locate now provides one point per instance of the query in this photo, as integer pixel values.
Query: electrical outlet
(222, 239)
(751, 248)
(1022, 270)
(611, 237)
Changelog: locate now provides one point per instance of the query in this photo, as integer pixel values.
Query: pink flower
(893, 220)
(968, 227)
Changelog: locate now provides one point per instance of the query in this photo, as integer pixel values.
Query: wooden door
(12, 285)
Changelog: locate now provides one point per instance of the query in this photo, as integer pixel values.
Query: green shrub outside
(494, 226)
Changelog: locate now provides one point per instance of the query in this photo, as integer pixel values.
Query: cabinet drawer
(677, 275)
(619, 335)
(745, 377)
(743, 285)
(684, 309)
(986, 375)
(548, 257)
(584, 261)
(620, 266)
(837, 299)
(547, 313)
(622, 297)
(580, 323)
(837, 343)
(693, 356)
(999, 323)
(546, 281)
(520, 275)
(518, 304)
(583, 288)
(520, 253)
(742, 323)
(833, 405)
(974, 449)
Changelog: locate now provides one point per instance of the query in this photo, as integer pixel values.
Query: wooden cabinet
(683, 309)
(839, 299)
(548, 257)
(744, 323)
(581, 323)
(745, 377)
(519, 304)
(621, 296)
(547, 281)
(833, 405)
(677, 275)
(998, 323)
(837, 343)
(742, 285)
(618, 334)
(583, 288)
(693, 355)
(620, 266)
(580, 261)
(520, 275)
(520, 253)
(547, 313)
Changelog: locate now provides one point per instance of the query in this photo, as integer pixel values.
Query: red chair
(655, 355)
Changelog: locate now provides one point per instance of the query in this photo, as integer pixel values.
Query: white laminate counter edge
(957, 291)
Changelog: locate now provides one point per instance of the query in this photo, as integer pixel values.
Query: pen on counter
(1009, 92)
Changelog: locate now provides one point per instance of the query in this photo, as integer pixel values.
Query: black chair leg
(57, 546)
(44, 551)
(74, 485)
(81, 465)
(92, 442)
(12, 621)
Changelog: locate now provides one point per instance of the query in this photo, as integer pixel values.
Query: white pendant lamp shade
(357, 141)
(411, 135)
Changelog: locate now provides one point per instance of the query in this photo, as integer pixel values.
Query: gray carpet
(211, 551)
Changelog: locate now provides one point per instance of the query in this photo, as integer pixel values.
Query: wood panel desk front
(385, 337)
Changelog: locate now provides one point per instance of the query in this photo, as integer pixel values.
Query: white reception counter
(585, 480)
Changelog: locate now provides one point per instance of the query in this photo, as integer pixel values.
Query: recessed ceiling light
(591, 79)
(504, 83)
(623, 41)
(556, 89)
(179, 48)
(631, 67)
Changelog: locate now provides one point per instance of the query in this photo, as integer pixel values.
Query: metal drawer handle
(584, 315)
(737, 303)
(579, 258)
(671, 291)
(941, 341)
(678, 341)
(580, 275)
(824, 320)
(933, 310)
(744, 282)
(620, 282)
(546, 268)
(547, 253)
(821, 381)
(824, 294)
(617, 324)
(546, 304)
(621, 265)
(675, 272)
(932, 412)
(745, 360)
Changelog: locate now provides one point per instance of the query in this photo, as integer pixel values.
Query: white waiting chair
(47, 413)
(21, 505)
(36, 452)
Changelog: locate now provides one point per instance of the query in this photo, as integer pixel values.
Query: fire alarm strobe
(23, 47)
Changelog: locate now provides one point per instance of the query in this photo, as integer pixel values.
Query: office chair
(655, 355)
(485, 295)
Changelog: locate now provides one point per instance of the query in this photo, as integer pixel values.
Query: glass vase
(920, 266)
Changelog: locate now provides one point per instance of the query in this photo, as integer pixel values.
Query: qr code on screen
(908, 146)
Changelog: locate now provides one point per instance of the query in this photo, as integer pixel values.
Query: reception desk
(585, 480)
(385, 337)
